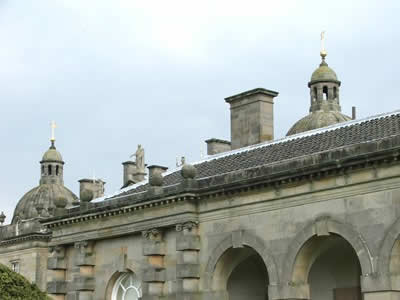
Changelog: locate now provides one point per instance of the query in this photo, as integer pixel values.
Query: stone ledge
(188, 242)
(154, 275)
(84, 260)
(187, 271)
(56, 287)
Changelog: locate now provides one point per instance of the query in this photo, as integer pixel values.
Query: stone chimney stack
(252, 117)
(131, 174)
(215, 146)
(96, 186)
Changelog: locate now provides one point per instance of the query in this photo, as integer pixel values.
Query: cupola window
(49, 169)
(325, 92)
(57, 170)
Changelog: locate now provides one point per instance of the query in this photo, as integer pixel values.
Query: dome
(52, 155)
(323, 73)
(44, 194)
(316, 120)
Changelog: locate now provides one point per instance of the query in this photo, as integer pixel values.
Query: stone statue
(140, 159)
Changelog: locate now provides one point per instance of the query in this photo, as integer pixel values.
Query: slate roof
(292, 147)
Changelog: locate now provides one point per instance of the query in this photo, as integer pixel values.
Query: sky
(117, 73)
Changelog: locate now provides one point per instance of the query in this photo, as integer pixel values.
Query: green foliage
(15, 287)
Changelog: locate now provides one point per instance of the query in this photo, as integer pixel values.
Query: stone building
(314, 215)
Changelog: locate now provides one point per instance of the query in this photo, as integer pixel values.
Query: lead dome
(50, 189)
(52, 154)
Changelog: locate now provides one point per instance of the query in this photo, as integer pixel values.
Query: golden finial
(323, 51)
(53, 126)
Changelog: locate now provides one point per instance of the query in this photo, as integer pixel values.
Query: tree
(14, 286)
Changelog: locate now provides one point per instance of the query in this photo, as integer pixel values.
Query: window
(315, 93)
(49, 169)
(325, 92)
(42, 169)
(57, 170)
(15, 266)
(127, 287)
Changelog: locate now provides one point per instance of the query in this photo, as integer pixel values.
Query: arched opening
(394, 263)
(57, 170)
(315, 94)
(126, 286)
(325, 92)
(242, 274)
(49, 170)
(331, 268)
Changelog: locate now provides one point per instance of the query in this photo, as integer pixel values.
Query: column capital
(154, 234)
(187, 227)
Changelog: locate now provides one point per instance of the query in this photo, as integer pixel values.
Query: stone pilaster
(83, 283)
(56, 266)
(289, 290)
(188, 267)
(377, 286)
(154, 276)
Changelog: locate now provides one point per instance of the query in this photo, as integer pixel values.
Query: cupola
(51, 188)
(325, 107)
(52, 166)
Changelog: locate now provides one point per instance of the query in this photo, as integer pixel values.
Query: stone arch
(240, 239)
(387, 262)
(119, 266)
(324, 226)
(110, 284)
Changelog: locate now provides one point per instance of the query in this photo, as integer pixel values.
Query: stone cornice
(337, 162)
(26, 237)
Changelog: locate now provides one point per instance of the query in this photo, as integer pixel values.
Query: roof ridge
(210, 158)
(297, 136)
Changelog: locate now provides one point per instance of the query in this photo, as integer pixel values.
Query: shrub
(14, 286)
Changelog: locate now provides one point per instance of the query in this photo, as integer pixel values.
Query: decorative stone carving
(187, 227)
(56, 258)
(152, 234)
(140, 159)
(188, 171)
(85, 255)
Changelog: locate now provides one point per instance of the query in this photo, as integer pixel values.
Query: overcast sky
(116, 73)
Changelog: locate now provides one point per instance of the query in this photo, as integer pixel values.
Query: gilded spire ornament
(323, 51)
(53, 126)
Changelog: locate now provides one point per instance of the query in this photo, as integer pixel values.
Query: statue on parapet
(139, 154)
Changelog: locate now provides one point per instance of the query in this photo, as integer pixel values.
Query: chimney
(153, 169)
(252, 117)
(94, 185)
(353, 113)
(215, 146)
(131, 174)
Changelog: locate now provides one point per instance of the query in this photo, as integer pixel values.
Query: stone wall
(286, 226)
